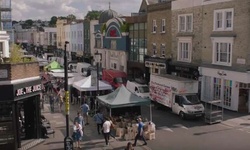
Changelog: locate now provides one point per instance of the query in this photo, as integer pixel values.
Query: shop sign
(182, 68)
(28, 90)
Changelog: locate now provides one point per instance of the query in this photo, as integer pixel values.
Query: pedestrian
(106, 130)
(85, 111)
(51, 101)
(79, 118)
(129, 146)
(77, 134)
(99, 120)
(140, 132)
(61, 96)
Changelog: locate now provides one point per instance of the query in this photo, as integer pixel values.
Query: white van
(141, 90)
(82, 68)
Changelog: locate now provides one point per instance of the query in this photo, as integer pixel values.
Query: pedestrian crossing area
(172, 128)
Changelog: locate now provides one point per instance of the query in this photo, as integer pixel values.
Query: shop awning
(121, 97)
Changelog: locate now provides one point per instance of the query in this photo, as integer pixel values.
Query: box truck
(114, 77)
(177, 93)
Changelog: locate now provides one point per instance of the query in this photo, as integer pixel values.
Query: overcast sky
(45, 9)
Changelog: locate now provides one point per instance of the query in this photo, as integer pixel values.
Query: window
(227, 92)
(185, 23)
(113, 44)
(163, 25)
(163, 49)
(223, 20)
(154, 49)
(222, 51)
(184, 49)
(217, 88)
(154, 26)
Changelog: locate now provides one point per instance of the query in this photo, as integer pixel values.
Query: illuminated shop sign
(28, 90)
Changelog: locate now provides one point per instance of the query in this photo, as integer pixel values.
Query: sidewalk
(91, 139)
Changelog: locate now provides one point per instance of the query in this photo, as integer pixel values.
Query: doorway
(243, 100)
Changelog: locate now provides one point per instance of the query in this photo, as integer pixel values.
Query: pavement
(91, 139)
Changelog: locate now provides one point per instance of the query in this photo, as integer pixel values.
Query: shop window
(217, 89)
(207, 88)
(227, 92)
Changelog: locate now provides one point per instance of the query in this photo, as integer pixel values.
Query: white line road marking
(165, 128)
(225, 125)
(240, 129)
(180, 126)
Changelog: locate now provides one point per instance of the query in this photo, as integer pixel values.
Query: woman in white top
(77, 133)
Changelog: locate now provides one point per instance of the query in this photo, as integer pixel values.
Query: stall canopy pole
(80, 97)
(150, 111)
(110, 113)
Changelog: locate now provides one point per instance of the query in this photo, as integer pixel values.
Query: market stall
(88, 89)
(53, 66)
(126, 125)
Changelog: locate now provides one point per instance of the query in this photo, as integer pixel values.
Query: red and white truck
(114, 77)
(177, 93)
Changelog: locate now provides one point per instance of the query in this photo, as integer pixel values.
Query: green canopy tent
(121, 97)
(53, 65)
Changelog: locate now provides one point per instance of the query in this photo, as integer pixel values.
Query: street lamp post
(97, 61)
(68, 142)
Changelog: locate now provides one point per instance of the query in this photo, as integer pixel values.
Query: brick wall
(196, 35)
(159, 38)
(20, 71)
(241, 30)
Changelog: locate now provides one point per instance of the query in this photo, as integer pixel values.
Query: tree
(93, 15)
(29, 22)
(15, 54)
(14, 22)
(52, 21)
(71, 17)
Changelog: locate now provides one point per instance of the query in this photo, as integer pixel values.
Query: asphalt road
(176, 134)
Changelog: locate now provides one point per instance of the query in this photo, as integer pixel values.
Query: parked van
(141, 90)
(82, 68)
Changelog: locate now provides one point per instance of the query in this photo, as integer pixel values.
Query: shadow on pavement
(202, 133)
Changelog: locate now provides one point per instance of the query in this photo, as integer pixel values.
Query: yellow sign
(67, 102)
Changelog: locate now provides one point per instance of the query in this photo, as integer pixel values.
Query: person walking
(51, 101)
(77, 134)
(99, 120)
(61, 96)
(106, 130)
(85, 111)
(140, 132)
(79, 118)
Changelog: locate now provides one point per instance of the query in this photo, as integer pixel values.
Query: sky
(45, 9)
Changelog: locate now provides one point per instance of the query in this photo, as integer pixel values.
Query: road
(176, 134)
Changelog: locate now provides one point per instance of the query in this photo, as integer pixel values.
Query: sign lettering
(28, 90)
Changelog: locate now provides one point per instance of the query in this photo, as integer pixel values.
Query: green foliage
(71, 17)
(29, 22)
(15, 54)
(103, 27)
(93, 15)
(124, 27)
(52, 21)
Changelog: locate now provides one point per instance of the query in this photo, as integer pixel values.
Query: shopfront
(20, 113)
(230, 86)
